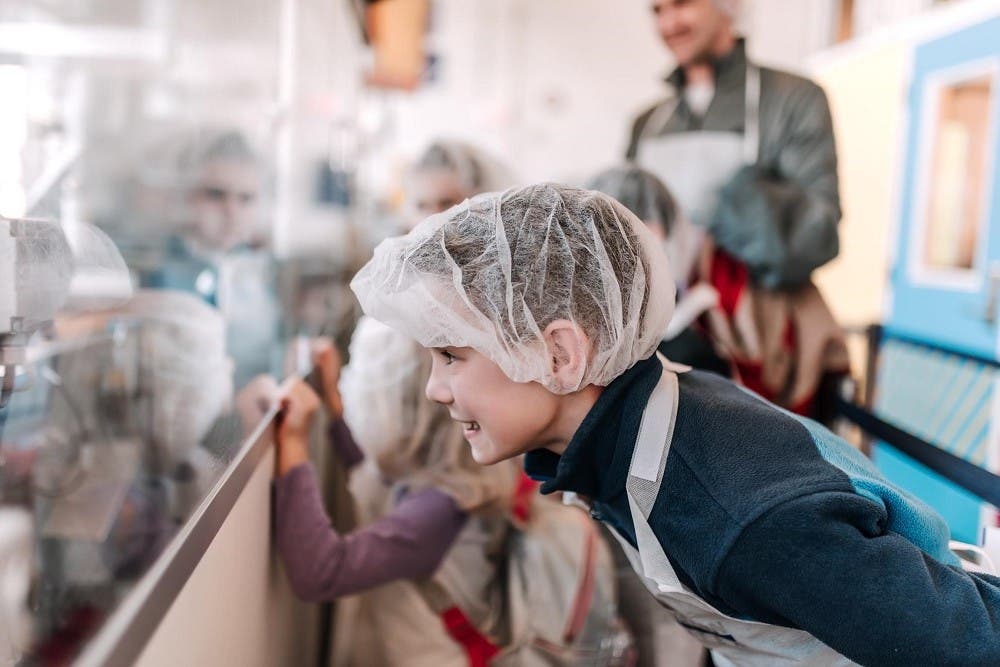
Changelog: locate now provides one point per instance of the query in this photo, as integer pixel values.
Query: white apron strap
(656, 430)
(649, 458)
(658, 120)
(751, 116)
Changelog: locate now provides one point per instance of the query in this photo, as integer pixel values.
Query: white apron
(732, 641)
(696, 165)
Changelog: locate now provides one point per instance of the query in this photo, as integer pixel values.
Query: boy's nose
(436, 390)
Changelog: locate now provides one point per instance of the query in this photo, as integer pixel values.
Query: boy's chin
(485, 456)
(487, 453)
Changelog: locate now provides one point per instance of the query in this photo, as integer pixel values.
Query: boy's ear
(569, 350)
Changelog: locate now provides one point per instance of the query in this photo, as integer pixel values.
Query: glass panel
(958, 173)
(105, 455)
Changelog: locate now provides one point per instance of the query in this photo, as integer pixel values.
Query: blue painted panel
(937, 314)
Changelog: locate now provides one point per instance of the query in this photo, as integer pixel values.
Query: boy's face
(502, 418)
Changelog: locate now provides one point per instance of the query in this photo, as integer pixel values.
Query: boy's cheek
(510, 448)
(487, 451)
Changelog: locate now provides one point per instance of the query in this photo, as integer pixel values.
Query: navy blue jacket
(770, 517)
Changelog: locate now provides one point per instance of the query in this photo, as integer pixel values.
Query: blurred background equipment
(36, 265)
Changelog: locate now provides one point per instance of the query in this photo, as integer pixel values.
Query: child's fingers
(326, 357)
(320, 344)
(286, 387)
(295, 394)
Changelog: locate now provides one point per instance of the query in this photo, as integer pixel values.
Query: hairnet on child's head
(474, 168)
(215, 144)
(493, 273)
(378, 386)
(640, 192)
(185, 361)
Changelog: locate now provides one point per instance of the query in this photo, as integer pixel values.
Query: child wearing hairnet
(447, 173)
(428, 511)
(217, 246)
(641, 192)
(785, 346)
(772, 540)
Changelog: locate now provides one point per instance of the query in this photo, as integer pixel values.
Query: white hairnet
(101, 279)
(45, 266)
(494, 272)
(641, 192)
(205, 145)
(36, 266)
(378, 386)
(644, 194)
(476, 170)
(184, 360)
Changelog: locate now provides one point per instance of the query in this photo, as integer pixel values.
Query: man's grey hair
(731, 7)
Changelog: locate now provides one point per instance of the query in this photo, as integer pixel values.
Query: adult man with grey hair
(748, 151)
(749, 154)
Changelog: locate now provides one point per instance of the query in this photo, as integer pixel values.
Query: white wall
(587, 68)
(550, 86)
(783, 33)
(866, 93)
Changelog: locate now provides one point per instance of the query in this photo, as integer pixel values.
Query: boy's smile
(501, 418)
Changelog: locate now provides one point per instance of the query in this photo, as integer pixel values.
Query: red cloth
(520, 507)
(731, 280)
(478, 648)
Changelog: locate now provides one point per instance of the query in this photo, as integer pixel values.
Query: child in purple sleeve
(438, 516)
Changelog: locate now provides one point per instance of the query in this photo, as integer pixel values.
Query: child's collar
(596, 461)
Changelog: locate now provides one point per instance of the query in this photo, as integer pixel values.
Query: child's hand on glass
(254, 400)
(299, 404)
(326, 359)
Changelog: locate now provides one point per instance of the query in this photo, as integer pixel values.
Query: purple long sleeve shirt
(321, 564)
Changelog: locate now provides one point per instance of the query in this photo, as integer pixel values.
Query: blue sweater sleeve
(825, 563)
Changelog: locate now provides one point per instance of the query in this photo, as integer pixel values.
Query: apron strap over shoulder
(661, 114)
(659, 118)
(751, 123)
(656, 431)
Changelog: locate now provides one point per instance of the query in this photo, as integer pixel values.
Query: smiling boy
(773, 541)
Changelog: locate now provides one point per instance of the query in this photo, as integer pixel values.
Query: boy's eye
(447, 356)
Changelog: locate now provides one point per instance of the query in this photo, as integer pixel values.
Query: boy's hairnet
(475, 169)
(640, 192)
(494, 272)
